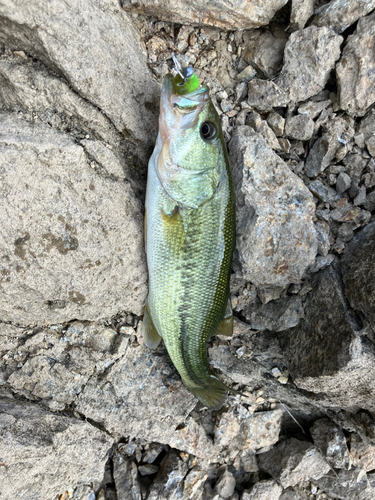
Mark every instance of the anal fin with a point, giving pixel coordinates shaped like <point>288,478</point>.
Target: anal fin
<point>225,326</point>
<point>151,336</point>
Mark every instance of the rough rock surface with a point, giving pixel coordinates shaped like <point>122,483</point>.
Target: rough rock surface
<point>359,273</point>
<point>302,10</point>
<point>104,35</point>
<point>340,14</point>
<point>223,14</point>
<point>67,247</point>
<point>356,85</point>
<point>276,239</point>
<point>42,454</point>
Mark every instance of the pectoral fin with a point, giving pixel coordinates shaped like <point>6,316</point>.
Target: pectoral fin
<point>151,336</point>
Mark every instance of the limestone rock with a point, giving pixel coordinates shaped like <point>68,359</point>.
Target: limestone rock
<point>265,95</point>
<point>302,10</point>
<point>347,485</point>
<point>325,354</point>
<point>355,82</point>
<point>125,475</point>
<point>293,461</point>
<point>82,44</point>
<point>299,127</point>
<point>359,273</point>
<point>362,453</point>
<point>263,490</point>
<point>331,442</point>
<point>220,13</point>
<point>309,57</point>
<point>276,122</point>
<point>276,239</point>
<point>44,454</point>
<point>169,481</point>
<point>340,14</point>
<point>246,431</point>
<point>264,50</point>
<point>68,245</point>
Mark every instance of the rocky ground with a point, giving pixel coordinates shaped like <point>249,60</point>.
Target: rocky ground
<point>86,410</point>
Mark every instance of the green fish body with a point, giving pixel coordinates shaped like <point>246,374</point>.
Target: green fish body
<point>190,236</point>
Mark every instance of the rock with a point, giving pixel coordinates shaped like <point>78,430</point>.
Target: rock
<point>370,202</point>
<point>360,199</point>
<point>340,14</point>
<point>222,14</point>
<point>343,182</point>
<point>266,187</point>
<point>299,127</point>
<point>302,10</point>
<point>264,50</point>
<point>321,262</point>
<point>246,431</point>
<point>354,166</point>
<point>169,481</point>
<point>277,315</point>
<point>334,141</point>
<point>125,475</point>
<point>347,485</point>
<point>194,482</point>
<point>82,44</point>
<point>44,454</point>
<point>152,453</point>
<point>362,453</point>
<point>359,273</point>
<point>356,86</point>
<point>309,57</point>
<point>331,442</point>
<point>323,192</point>
<point>225,486</point>
<point>312,109</point>
<point>246,74</point>
<point>276,122</point>
<point>65,275</point>
<point>264,95</point>
<point>322,231</point>
<point>293,461</point>
<point>268,134</point>
<point>338,366</point>
<point>148,469</point>
<point>263,490</point>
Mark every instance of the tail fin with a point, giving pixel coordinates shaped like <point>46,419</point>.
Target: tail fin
<point>213,394</point>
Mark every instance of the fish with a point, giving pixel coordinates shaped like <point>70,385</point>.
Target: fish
<point>190,234</point>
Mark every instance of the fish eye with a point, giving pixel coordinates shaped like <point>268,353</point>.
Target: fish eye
<point>208,131</point>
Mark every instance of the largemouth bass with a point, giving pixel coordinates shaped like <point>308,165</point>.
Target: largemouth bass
<point>190,234</point>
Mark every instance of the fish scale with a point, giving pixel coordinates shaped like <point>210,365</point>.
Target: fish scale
<point>190,238</point>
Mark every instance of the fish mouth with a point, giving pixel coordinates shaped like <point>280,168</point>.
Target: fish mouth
<point>182,109</point>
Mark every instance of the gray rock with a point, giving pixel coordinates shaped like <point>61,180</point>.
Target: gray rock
<point>340,14</point>
<point>309,57</point>
<point>343,182</point>
<point>276,122</point>
<point>321,262</point>
<point>264,50</point>
<point>64,274</point>
<point>360,199</point>
<point>225,486</point>
<point>323,232</point>
<point>293,461</point>
<point>359,273</point>
<point>334,144</point>
<point>169,481</point>
<point>222,14</point>
<point>331,442</point>
<point>152,453</point>
<point>193,484</point>
<point>370,202</point>
<point>323,192</point>
<point>263,490</point>
<point>147,469</point>
<point>354,166</point>
<point>299,127</point>
<point>356,86</point>
<point>82,44</point>
<point>277,315</point>
<point>125,475</point>
<point>246,74</point>
<point>245,431</point>
<point>268,135</point>
<point>312,109</point>
<point>265,95</point>
<point>276,239</point>
<point>325,354</point>
<point>44,454</point>
<point>302,10</point>
<point>362,453</point>
<point>347,485</point>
